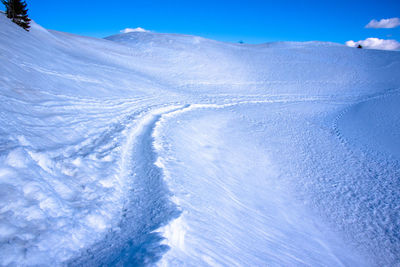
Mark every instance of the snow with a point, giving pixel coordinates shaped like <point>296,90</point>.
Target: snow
<point>374,125</point>
<point>166,149</point>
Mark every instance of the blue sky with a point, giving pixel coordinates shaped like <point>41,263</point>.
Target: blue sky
<point>253,21</point>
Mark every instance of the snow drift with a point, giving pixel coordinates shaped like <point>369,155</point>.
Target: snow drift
<point>166,149</point>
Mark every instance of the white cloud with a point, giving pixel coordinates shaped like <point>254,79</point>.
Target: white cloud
<point>375,43</point>
<point>138,29</point>
<point>384,23</point>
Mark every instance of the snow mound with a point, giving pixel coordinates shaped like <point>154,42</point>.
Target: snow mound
<point>194,64</point>
<point>374,125</point>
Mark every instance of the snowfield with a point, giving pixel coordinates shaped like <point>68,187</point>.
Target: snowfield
<point>175,150</point>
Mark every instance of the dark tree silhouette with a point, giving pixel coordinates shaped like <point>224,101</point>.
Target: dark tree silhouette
<point>16,11</point>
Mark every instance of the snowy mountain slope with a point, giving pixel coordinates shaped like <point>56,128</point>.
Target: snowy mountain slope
<point>373,125</point>
<point>158,148</point>
<point>312,68</point>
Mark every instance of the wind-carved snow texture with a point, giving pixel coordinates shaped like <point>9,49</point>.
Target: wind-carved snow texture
<point>163,149</point>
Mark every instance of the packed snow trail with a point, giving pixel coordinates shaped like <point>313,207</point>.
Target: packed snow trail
<point>147,207</point>
<point>136,242</point>
<point>148,149</point>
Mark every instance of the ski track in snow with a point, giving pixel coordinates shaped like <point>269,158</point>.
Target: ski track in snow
<point>135,240</point>
<point>139,239</point>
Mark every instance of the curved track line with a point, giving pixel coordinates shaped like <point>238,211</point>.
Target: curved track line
<point>149,206</point>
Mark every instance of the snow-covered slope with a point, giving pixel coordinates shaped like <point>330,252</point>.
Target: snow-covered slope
<point>177,150</point>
